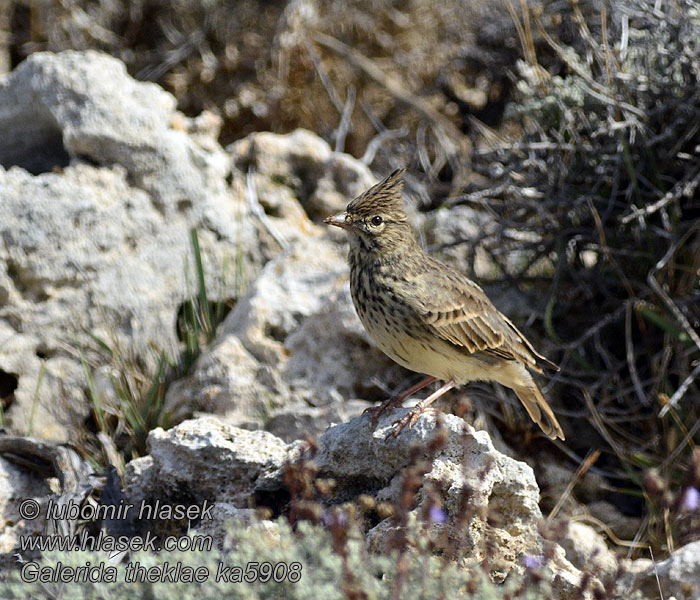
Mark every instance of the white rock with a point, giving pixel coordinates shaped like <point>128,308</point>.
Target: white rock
<point>294,421</point>
<point>323,181</point>
<point>56,107</point>
<point>224,382</point>
<point>290,288</point>
<point>468,458</point>
<point>494,524</point>
<point>678,576</point>
<point>16,485</point>
<point>586,549</point>
<point>292,342</point>
<point>207,459</point>
<point>103,248</point>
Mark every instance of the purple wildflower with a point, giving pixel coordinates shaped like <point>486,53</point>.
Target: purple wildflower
<point>691,499</point>
<point>334,518</point>
<point>532,562</point>
<point>437,515</point>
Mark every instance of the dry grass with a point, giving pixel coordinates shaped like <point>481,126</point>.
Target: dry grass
<point>605,174</point>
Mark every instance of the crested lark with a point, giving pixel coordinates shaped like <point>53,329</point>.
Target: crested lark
<point>428,317</point>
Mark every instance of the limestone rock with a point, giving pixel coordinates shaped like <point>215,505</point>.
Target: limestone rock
<point>585,548</point>
<point>489,500</point>
<point>294,421</point>
<point>676,577</point>
<point>100,185</point>
<point>58,107</point>
<point>499,494</point>
<point>292,342</point>
<point>205,459</point>
<point>300,166</point>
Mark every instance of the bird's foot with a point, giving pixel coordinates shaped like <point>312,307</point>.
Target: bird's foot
<point>396,401</point>
<point>409,419</point>
<point>376,412</point>
<point>412,415</point>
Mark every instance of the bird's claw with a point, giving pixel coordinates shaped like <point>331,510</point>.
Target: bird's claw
<point>396,401</point>
<point>409,419</point>
<point>376,412</point>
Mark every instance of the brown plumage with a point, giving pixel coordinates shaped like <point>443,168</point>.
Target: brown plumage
<point>428,317</point>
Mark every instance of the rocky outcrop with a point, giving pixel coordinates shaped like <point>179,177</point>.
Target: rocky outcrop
<point>676,577</point>
<point>488,502</point>
<point>300,172</point>
<point>293,344</point>
<point>205,459</point>
<point>101,181</point>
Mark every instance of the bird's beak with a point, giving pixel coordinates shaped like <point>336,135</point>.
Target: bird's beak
<point>338,220</point>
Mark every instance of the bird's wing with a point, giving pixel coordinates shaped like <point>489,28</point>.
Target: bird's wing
<point>460,312</point>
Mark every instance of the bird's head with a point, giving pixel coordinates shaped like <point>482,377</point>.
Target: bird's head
<point>376,219</point>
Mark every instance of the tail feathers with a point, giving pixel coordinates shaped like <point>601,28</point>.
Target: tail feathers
<point>547,363</point>
<point>538,409</point>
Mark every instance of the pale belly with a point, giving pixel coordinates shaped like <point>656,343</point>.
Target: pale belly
<point>425,353</point>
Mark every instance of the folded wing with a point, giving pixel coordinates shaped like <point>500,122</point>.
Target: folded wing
<point>460,312</point>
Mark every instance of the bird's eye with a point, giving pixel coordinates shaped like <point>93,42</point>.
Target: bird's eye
<point>376,221</point>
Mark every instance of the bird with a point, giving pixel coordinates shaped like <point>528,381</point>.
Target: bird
<point>429,317</point>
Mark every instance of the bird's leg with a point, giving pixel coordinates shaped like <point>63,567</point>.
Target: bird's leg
<point>411,416</point>
<point>395,401</point>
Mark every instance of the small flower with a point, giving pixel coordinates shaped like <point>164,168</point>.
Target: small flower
<point>532,562</point>
<point>437,515</point>
<point>691,499</point>
<point>334,518</point>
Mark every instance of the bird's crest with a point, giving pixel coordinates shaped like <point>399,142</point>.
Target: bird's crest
<point>384,197</point>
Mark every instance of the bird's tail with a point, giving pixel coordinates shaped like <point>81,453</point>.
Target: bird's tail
<point>538,409</point>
